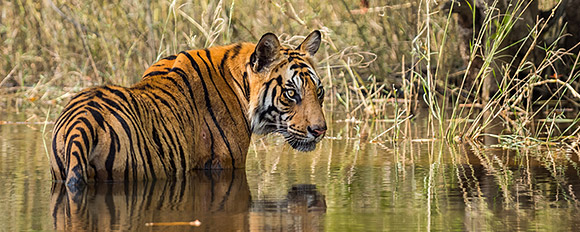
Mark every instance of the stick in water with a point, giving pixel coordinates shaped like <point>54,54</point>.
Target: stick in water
<point>193,223</point>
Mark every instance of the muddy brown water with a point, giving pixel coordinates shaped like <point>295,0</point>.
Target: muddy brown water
<point>345,185</point>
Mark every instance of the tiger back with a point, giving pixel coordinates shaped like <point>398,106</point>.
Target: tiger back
<point>193,110</point>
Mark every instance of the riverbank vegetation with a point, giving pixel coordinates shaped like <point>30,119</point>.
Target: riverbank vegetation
<point>474,70</point>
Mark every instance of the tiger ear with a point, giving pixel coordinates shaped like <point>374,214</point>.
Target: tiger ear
<point>266,52</point>
<point>311,43</point>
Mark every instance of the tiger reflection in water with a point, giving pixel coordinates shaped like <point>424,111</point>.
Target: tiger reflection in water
<point>219,199</point>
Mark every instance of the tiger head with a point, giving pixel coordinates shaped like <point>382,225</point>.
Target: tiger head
<point>287,95</point>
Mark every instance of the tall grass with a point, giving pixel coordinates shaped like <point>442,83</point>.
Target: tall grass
<point>512,103</point>
<point>382,62</point>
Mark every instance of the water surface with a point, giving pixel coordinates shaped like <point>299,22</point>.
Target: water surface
<point>345,185</point>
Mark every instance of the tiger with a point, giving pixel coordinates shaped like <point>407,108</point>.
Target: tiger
<point>193,110</point>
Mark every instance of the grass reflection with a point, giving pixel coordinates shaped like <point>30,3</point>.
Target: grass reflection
<point>412,183</point>
<point>426,184</point>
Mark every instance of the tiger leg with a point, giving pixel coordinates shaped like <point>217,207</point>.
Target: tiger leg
<point>72,145</point>
<point>76,151</point>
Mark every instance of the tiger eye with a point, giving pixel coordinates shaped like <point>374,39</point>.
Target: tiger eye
<point>290,93</point>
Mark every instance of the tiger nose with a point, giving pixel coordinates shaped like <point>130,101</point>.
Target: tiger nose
<point>317,130</point>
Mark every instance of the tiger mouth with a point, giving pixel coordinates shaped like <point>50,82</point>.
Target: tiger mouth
<point>301,144</point>
<point>300,141</point>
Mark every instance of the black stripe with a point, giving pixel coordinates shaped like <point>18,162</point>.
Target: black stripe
<point>126,170</point>
<point>176,85</point>
<point>236,50</point>
<point>172,57</point>
<point>76,169</point>
<point>158,143</point>
<point>222,68</point>
<point>227,195</point>
<point>155,73</point>
<point>85,144</point>
<point>231,90</point>
<point>185,80</point>
<point>162,100</point>
<point>135,119</point>
<point>144,152</point>
<point>110,161</point>
<point>66,116</point>
<point>97,116</point>
<point>58,160</point>
<point>117,93</point>
<point>211,78</point>
<point>240,88</point>
<point>60,190</point>
<point>178,200</point>
<point>115,110</point>
<point>177,103</point>
<point>174,141</point>
<point>67,110</point>
<point>68,151</point>
<point>209,107</point>
<point>246,85</point>
<point>268,87</point>
<point>70,129</point>
<point>161,152</point>
<point>130,113</point>
<point>89,126</point>
<point>294,66</point>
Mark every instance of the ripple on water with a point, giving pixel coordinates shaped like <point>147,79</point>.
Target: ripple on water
<point>343,185</point>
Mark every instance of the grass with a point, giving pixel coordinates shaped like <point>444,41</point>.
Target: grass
<point>385,62</point>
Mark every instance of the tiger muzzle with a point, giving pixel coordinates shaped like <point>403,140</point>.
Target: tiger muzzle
<point>317,130</point>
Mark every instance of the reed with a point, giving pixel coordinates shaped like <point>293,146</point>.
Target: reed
<point>384,62</point>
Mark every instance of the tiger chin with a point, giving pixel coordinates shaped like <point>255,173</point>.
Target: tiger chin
<point>193,110</point>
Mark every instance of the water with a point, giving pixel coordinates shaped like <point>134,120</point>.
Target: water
<point>345,185</point>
